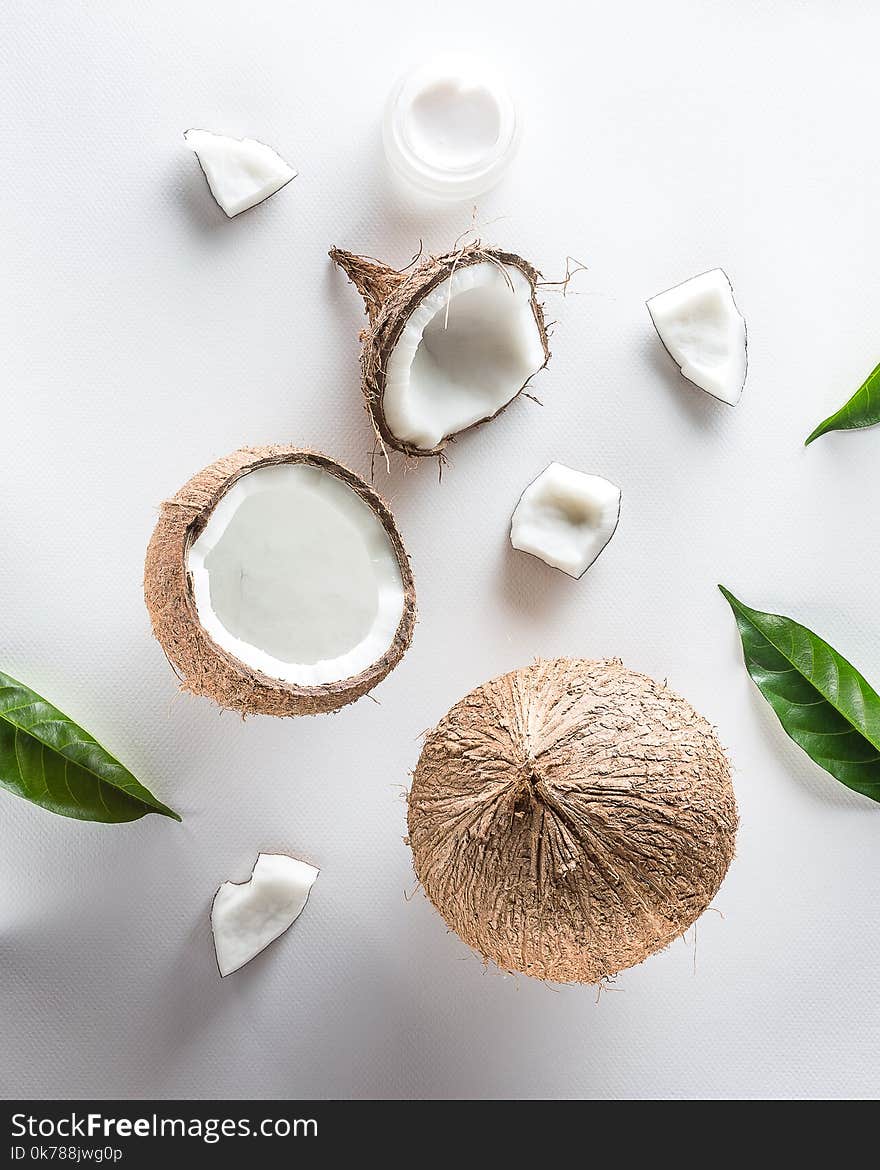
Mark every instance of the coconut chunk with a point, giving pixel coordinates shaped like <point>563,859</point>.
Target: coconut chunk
<point>464,353</point>
<point>704,333</point>
<point>241,172</point>
<point>566,517</point>
<point>278,584</point>
<point>246,917</point>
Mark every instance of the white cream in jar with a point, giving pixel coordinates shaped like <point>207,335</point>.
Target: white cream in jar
<point>451,127</point>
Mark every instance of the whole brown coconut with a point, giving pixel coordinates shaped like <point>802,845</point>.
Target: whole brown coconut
<point>203,666</point>
<point>392,297</point>
<point>571,818</point>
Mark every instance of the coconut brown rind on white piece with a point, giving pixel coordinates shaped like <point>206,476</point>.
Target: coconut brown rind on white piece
<point>204,667</point>
<point>571,818</point>
<point>390,297</point>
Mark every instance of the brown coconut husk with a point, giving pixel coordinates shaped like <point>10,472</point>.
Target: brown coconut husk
<point>390,297</point>
<point>204,668</point>
<point>571,818</point>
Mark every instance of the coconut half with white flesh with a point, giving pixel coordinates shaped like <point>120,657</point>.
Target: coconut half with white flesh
<point>449,345</point>
<point>247,916</point>
<point>566,518</point>
<point>241,172</point>
<point>704,333</point>
<point>278,584</point>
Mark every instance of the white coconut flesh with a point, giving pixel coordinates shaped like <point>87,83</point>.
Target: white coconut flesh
<point>295,576</point>
<point>705,333</point>
<point>241,172</point>
<point>468,348</point>
<point>246,917</point>
<point>566,518</point>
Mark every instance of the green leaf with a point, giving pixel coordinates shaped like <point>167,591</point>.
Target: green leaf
<point>821,700</point>
<point>48,760</point>
<point>862,410</point>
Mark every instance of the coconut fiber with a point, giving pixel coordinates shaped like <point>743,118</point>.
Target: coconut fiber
<point>571,818</point>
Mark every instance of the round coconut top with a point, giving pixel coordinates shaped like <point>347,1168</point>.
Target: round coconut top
<point>204,667</point>
<point>571,818</point>
<point>391,296</point>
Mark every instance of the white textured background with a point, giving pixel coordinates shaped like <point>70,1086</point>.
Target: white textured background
<point>142,335</point>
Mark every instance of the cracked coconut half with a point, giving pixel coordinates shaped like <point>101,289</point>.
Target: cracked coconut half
<point>449,344</point>
<point>277,584</point>
<point>571,818</point>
